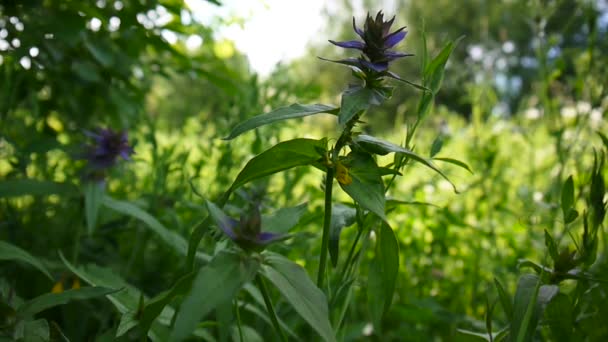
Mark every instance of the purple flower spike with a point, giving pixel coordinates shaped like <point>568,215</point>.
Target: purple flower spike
<point>375,47</point>
<point>351,44</point>
<point>107,147</point>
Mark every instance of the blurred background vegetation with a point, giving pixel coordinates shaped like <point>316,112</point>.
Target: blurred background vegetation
<point>524,94</point>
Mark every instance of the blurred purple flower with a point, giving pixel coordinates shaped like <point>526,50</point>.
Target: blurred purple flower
<point>376,45</point>
<point>247,231</point>
<point>108,145</point>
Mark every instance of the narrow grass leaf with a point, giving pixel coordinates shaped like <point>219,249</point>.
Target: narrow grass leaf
<point>93,197</point>
<point>171,238</point>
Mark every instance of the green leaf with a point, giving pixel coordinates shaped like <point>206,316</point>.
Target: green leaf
<point>291,112</point>
<point>559,316</point>
<point>472,336</point>
<point>366,187</point>
<point>341,216</point>
<point>195,238</point>
<point>434,71</point>
<point>101,52</point>
<point>382,147</point>
<point>93,196</point>
<point>436,146</point>
<point>283,219</point>
<point>505,298</point>
<point>49,300</point>
<point>22,187</point>
<point>295,286</point>
<point>567,197</point>
<point>127,322</point>
<point>604,139</point>
<point>36,331</point>
<point>216,283</point>
<point>126,300</point>
<point>383,274</point>
<point>171,238</point>
<point>433,77</point>
<point>283,156</point>
<point>155,306</point>
<point>355,100</point>
<point>11,252</point>
<point>456,162</point>
<point>551,246</point>
<point>530,300</point>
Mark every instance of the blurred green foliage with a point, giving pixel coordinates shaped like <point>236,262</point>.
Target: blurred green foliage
<point>521,103</point>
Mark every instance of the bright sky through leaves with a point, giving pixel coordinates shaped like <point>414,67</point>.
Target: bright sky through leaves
<point>272,30</point>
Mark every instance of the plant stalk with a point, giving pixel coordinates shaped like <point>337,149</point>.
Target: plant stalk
<point>329,181</point>
<point>269,307</point>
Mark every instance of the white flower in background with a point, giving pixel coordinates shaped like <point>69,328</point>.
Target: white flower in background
<point>595,117</point>
<point>538,196</point>
<point>583,107</point>
<point>568,112</point>
<point>533,114</point>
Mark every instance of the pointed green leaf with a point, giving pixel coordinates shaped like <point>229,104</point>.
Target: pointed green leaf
<point>357,99</point>
<point>382,147</point>
<point>559,316</point>
<point>295,286</point>
<point>455,162</point>
<point>49,300</point>
<point>530,301</point>
<point>283,156</point>
<point>341,216</point>
<point>366,187</point>
<point>294,111</point>
<point>551,246</point>
<point>436,146</point>
<point>434,71</point>
<point>216,283</point>
<point>523,322</point>
<point>11,252</point>
<point>171,238</point>
<point>282,220</point>
<point>36,331</point>
<point>155,306</point>
<point>567,196</point>
<point>433,77</point>
<point>126,300</point>
<point>383,273</point>
<point>505,298</point>
<point>604,139</point>
<point>93,196</point>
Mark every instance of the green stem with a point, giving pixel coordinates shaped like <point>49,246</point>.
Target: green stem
<point>271,313</point>
<point>350,254</point>
<point>238,320</point>
<point>329,181</point>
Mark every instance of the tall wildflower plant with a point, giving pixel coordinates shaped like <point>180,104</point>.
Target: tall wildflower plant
<point>348,159</point>
<point>212,283</point>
